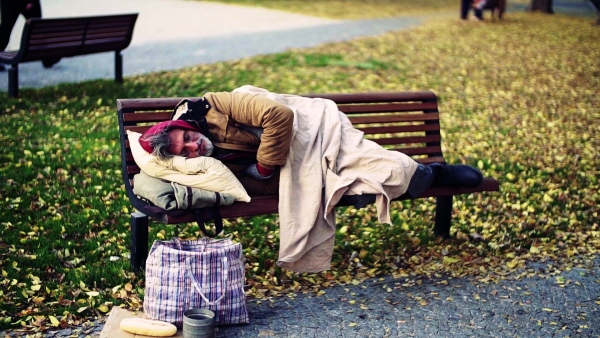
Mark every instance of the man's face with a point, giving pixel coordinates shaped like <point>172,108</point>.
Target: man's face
<point>189,143</point>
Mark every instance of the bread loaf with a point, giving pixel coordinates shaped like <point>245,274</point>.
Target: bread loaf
<point>148,327</point>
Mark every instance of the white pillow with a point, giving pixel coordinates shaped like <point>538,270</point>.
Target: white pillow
<point>201,172</point>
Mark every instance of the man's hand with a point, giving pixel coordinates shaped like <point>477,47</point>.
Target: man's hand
<point>258,173</point>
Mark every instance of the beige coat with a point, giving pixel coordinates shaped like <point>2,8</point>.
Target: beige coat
<point>328,158</point>
<point>251,110</point>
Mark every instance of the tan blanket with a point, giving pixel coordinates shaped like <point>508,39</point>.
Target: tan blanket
<point>328,158</point>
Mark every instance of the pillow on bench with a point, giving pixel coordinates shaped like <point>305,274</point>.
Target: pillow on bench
<point>201,172</point>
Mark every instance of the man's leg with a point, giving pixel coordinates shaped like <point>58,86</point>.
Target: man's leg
<point>10,11</point>
<point>9,14</point>
<point>443,175</point>
<point>421,180</point>
<point>465,5</point>
<point>426,176</point>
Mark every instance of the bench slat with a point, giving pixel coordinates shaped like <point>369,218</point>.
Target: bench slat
<point>147,116</point>
<point>56,25</point>
<point>133,169</point>
<point>430,159</point>
<point>49,41</point>
<point>407,140</point>
<point>388,118</point>
<point>51,34</point>
<point>429,150</point>
<point>374,97</point>
<point>405,128</point>
<point>137,129</point>
<point>149,104</point>
<point>392,107</point>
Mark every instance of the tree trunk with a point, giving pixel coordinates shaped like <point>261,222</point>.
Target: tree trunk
<point>544,6</point>
<point>596,4</point>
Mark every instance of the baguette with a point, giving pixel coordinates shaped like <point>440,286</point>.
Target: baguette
<point>148,327</point>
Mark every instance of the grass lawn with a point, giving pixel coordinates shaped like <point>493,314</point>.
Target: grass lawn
<point>518,98</point>
<point>353,9</point>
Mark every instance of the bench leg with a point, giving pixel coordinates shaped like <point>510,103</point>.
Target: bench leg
<point>443,216</point>
<point>139,241</point>
<point>118,67</point>
<point>13,81</point>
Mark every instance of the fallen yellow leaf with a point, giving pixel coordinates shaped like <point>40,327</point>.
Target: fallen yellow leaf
<point>449,260</point>
<point>53,321</point>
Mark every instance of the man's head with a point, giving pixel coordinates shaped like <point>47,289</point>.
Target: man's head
<point>176,138</point>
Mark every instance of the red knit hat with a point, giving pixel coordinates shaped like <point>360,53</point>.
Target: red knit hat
<point>158,128</point>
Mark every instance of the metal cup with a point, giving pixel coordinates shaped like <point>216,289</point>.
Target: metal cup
<point>198,323</point>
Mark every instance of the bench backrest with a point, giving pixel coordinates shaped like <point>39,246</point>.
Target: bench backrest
<point>46,38</point>
<point>402,121</point>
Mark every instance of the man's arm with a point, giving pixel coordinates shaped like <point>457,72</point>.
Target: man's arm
<point>274,118</point>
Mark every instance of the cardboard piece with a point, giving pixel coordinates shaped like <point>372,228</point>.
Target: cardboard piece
<point>112,328</point>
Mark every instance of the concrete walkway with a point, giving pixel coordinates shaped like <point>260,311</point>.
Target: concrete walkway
<point>566,305</point>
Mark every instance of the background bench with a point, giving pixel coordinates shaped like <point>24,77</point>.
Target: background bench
<point>403,121</point>
<point>45,39</point>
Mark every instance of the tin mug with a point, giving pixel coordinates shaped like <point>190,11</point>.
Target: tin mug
<point>198,323</point>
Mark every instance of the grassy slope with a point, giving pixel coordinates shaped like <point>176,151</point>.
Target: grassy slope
<point>353,9</point>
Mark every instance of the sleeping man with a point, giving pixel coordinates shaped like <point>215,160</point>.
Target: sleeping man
<point>304,150</point>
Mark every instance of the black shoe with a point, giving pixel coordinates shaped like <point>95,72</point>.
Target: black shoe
<point>2,68</point>
<point>50,62</point>
<point>455,175</point>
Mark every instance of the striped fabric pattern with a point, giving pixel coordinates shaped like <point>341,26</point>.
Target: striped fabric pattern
<point>205,273</point>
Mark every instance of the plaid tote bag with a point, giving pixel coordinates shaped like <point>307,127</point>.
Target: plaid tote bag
<point>205,273</point>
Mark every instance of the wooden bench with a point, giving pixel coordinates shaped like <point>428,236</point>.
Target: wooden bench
<point>56,38</point>
<point>404,121</point>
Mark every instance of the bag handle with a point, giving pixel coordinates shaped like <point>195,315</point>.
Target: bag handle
<point>208,213</point>
<point>196,285</point>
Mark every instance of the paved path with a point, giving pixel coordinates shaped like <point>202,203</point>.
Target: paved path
<point>567,306</point>
<point>564,305</point>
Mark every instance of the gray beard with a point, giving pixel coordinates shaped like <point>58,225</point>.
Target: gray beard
<point>208,147</point>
